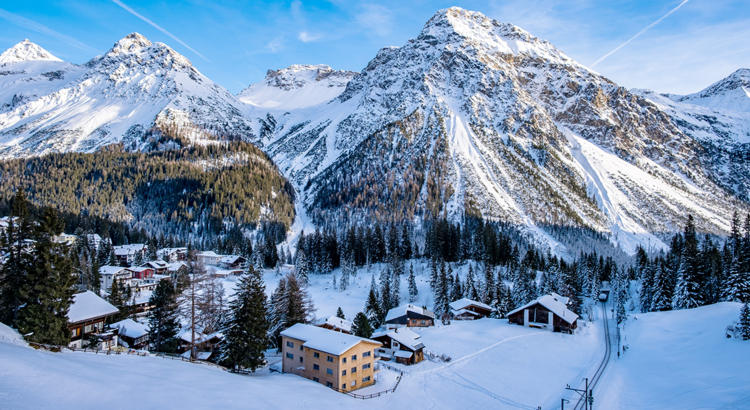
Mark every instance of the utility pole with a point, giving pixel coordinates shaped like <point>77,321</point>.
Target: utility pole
<point>583,393</point>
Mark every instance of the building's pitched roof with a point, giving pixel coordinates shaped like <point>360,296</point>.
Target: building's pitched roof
<point>401,310</point>
<point>553,305</point>
<point>157,264</point>
<point>404,336</point>
<point>335,322</point>
<point>230,259</point>
<point>211,254</point>
<point>561,299</point>
<point>123,250</point>
<point>328,341</point>
<point>130,328</point>
<point>111,270</point>
<point>174,267</point>
<point>465,302</point>
<point>88,305</point>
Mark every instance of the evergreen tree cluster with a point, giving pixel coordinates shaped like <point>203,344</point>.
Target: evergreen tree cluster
<point>696,271</point>
<point>37,278</point>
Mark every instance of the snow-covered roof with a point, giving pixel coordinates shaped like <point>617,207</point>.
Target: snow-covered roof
<point>462,311</point>
<point>129,249</point>
<point>464,303</point>
<point>328,341</point>
<point>198,355</point>
<point>111,270</point>
<point>404,336</point>
<point>174,267</point>
<point>156,264</point>
<point>401,310</point>
<point>209,254</point>
<point>88,305</point>
<point>403,354</point>
<point>229,259</point>
<point>335,322</point>
<point>561,299</point>
<point>130,328</point>
<point>141,268</point>
<point>553,305</point>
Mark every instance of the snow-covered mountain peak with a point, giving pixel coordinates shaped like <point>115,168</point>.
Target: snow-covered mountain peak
<point>26,51</point>
<point>132,43</point>
<point>297,86</point>
<point>731,93</point>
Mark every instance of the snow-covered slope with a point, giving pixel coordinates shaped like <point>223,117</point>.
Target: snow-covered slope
<point>679,360</point>
<point>479,116</point>
<point>297,86</point>
<point>113,98</point>
<point>718,117</point>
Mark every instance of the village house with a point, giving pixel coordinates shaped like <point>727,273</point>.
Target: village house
<point>176,269</point>
<point>232,262</point>
<point>400,345</point>
<point>94,241</point>
<point>547,312</point>
<point>335,323</point>
<point>159,267</point>
<point>142,272</point>
<point>111,273</point>
<point>126,254</point>
<point>86,316</point>
<point>171,255</point>
<point>334,359</point>
<point>209,258</point>
<point>410,316</point>
<point>132,334</point>
<point>467,309</point>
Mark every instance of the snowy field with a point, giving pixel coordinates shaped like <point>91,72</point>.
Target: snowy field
<point>676,360</point>
<point>679,360</point>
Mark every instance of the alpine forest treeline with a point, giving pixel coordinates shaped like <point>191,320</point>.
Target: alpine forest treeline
<point>197,194</point>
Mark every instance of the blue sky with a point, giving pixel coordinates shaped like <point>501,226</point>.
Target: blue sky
<point>235,42</point>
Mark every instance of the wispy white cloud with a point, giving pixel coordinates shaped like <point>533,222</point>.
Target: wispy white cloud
<point>276,44</point>
<point>375,18</point>
<point>639,33</point>
<point>308,37</point>
<point>41,28</point>
<point>156,26</point>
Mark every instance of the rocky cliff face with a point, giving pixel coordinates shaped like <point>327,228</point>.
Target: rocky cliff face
<point>478,116</point>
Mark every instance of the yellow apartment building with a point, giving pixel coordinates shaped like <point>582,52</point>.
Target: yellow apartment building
<point>334,359</point>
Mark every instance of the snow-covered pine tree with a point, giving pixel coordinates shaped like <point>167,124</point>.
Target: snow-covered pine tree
<point>386,294</point>
<point>300,306</point>
<point>456,291</point>
<point>413,291</point>
<point>442,298</point>
<point>744,323</point>
<point>661,298</point>
<point>278,308</point>
<point>647,272</point>
<point>396,287</point>
<point>340,313</point>
<point>372,305</point>
<point>302,268</point>
<point>246,330</point>
<point>502,304</point>
<point>406,252</point>
<point>14,271</point>
<point>163,322</point>
<point>488,288</point>
<point>433,274</point>
<point>687,293</point>
<point>470,288</point>
<point>361,326</point>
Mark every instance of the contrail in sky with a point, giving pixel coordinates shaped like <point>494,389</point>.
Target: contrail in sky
<point>639,33</point>
<point>41,28</point>
<point>135,13</point>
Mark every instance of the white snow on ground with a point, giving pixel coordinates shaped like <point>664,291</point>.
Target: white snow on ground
<point>679,360</point>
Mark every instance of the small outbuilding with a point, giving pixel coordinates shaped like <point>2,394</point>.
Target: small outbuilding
<point>467,309</point>
<point>133,334</point>
<point>547,312</point>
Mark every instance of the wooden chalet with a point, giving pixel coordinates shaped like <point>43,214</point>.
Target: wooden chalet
<point>410,316</point>
<point>467,309</point>
<point>548,312</point>
<point>159,267</point>
<point>400,345</point>
<point>232,262</point>
<point>87,315</point>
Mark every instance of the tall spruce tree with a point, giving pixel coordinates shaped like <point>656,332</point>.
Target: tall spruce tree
<point>49,290</point>
<point>687,290</point>
<point>340,313</point>
<point>246,330</point>
<point>361,326</point>
<point>14,272</point>
<point>442,297</point>
<point>744,323</point>
<point>413,291</point>
<point>372,305</point>
<point>163,318</point>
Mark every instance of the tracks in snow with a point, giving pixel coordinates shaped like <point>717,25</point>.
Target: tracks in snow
<point>605,361</point>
